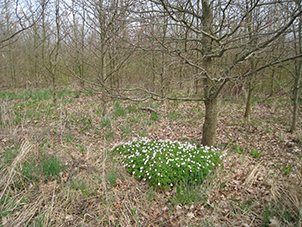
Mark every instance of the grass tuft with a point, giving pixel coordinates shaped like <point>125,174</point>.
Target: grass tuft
<point>119,111</point>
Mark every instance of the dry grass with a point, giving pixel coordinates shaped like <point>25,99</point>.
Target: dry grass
<point>82,195</point>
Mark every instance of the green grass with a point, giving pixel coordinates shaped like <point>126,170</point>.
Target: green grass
<point>119,111</point>
<point>150,194</point>
<point>83,186</point>
<point>10,154</point>
<point>111,176</point>
<point>86,124</point>
<point>286,170</point>
<point>106,122</point>
<point>51,167</point>
<point>280,211</point>
<point>154,116</point>
<point>143,132</point>
<point>7,205</point>
<point>188,194</point>
<point>255,123</point>
<point>257,154</point>
<point>166,163</point>
<point>127,130</point>
<point>174,115</point>
<point>30,171</point>
<point>238,149</point>
<point>132,109</point>
<point>36,95</point>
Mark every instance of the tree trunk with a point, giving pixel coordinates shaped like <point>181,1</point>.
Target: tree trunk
<point>210,123</point>
<point>247,114</point>
<point>296,99</point>
<point>210,98</point>
<point>298,48</point>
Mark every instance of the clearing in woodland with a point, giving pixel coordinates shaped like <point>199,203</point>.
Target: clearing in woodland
<point>58,166</point>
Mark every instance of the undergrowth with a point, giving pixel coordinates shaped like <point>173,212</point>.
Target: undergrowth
<point>165,163</point>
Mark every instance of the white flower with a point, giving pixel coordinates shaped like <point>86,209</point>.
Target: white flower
<point>158,184</point>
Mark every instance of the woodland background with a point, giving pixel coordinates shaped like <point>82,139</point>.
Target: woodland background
<point>77,77</point>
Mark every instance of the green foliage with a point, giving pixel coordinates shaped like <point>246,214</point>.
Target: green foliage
<point>69,138</point>
<point>10,154</point>
<point>126,130</point>
<point>38,94</point>
<point>188,194</point>
<point>238,149</point>
<point>174,115</point>
<point>132,109</point>
<point>143,132</point>
<point>31,171</point>
<point>41,167</point>
<point>154,116</point>
<point>151,194</point>
<point>106,122</point>
<point>280,211</point>
<point>18,117</point>
<point>255,123</point>
<point>39,221</point>
<point>119,111</point>
<point>82,186</point>
<point>51,167</point>
<point>239,107</point>
<point>286,170</point>
<point>268,130</point>
<point>99,111</point>
<point>87,122</point>
<point>7,205</point>
<point>165,163</point>
<point>257,154</point>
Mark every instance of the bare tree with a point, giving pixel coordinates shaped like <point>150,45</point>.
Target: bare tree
<point>105,46</point>
<point>224,31</point>
<point>18,19</point>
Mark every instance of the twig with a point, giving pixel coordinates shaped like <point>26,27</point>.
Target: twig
<point>149,109</point>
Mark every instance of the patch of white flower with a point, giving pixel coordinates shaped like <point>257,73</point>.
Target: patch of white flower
<point>174,156</point>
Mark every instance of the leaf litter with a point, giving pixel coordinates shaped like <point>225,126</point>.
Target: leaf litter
<point>236,195</point>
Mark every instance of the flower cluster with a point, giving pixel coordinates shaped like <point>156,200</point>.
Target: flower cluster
<point>165,163</point>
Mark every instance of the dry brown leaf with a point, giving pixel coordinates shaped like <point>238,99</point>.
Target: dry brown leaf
<point>156,212</point>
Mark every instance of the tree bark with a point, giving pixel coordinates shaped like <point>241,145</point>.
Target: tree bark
<point>296,99</point>
<point>210,123</point>
<point>210,100</point>
<point>298,67</point>
<point>247,114</point>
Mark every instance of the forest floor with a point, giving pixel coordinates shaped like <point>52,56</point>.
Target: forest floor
<point>57,168</point>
